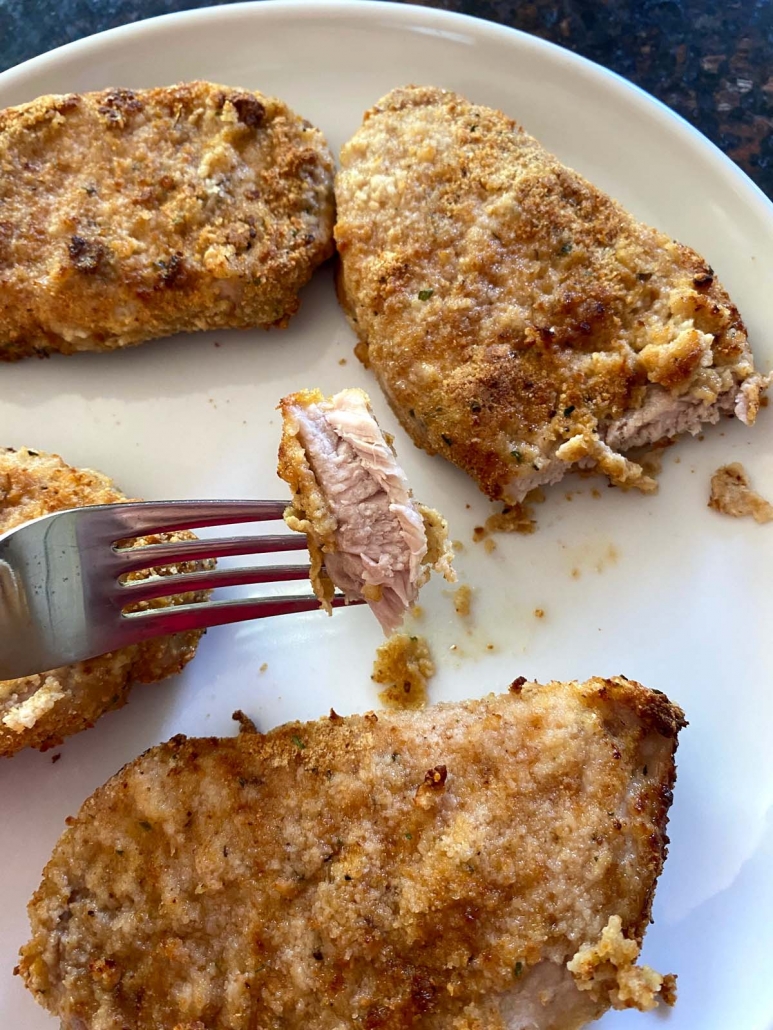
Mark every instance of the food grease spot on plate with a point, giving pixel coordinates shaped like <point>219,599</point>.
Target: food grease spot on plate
<point>593,555</point>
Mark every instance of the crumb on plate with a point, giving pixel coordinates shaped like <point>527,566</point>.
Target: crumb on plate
<point>463,599</point>
<point>731,494</point>
<point>403,665</point>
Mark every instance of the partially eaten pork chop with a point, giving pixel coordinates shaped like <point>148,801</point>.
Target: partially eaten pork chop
<point>519,320</point>
<point>367,535</point>
<point>482,865</point>
<point>40,711</point>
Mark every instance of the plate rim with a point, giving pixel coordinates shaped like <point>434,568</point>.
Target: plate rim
<point>415,15</point>
<point>661,117</point>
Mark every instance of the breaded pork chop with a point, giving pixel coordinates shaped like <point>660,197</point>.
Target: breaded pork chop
<point>367,535</point>
<point>127,215</point>
<point>519,320</point>
<point>40,711</point>
<point>474,866</point>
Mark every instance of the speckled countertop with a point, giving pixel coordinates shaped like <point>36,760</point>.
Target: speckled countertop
<point>710,60</point>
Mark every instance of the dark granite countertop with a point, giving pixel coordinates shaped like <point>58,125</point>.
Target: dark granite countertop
<point>710,60</point>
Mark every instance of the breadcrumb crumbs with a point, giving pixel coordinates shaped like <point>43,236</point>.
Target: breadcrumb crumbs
<point>463,599</point>
<point>652,463</point>
<point>403,665</point>
<point>607,970</point>
<point>732,495</point>
<point>513,518</point>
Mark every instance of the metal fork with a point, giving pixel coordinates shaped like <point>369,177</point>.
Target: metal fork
<point>63,592</point>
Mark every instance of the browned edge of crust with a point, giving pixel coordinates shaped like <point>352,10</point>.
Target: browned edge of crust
<point>659,715</point>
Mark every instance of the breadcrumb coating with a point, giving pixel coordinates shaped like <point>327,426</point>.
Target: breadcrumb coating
<point>40,711</point>
<point>132,214</point>
<point>519,320</point>
<point>434,869</point>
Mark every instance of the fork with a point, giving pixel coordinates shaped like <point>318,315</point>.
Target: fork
<point>63,589</point>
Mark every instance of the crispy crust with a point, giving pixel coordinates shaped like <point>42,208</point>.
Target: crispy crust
<point>381,871</point>
<point>512,312</point>
<point>127,215</point>
<point>309,511</point>
<point>40,711</point>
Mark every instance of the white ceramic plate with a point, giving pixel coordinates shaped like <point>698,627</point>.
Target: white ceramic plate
<point>664,590</point>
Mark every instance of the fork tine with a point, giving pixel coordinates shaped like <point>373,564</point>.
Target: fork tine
<point>131,559</point>
<point>166,586</point>
<point>163,621</point>
<point>141,518</point>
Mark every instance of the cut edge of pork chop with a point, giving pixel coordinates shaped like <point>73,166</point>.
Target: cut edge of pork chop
<point>536,979</point>
<point>661,417</point>
<point>367,535</point>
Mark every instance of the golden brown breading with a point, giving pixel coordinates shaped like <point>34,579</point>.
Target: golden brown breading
<point>40,711</point>
<point>433,869</point>
<point>127,215</point>
<point>518,319</point>
<point>310,511</point>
